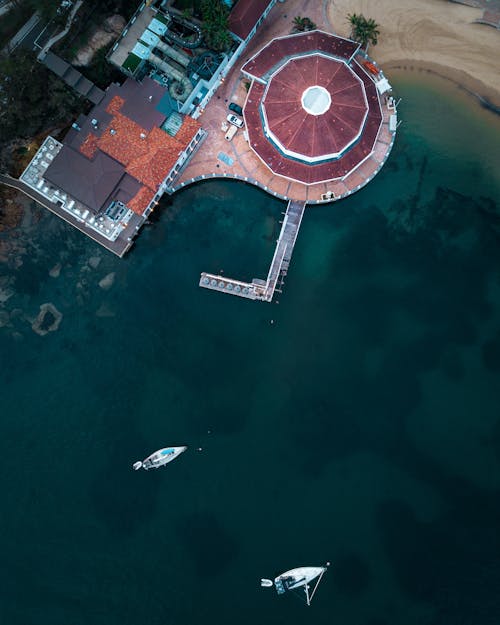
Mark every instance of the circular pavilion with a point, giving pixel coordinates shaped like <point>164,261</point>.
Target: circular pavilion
<point>314,108</point>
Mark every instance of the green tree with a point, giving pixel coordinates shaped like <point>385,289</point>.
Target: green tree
<point>100,71</point>
<point>46,8</point>
<point>363,30</point>
<point>31,97</point>
<point>215,26</point>
<point>302,24</point>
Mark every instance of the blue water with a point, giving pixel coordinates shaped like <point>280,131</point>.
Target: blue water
<point>362,426</point>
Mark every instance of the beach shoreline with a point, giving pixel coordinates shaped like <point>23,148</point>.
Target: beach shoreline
<point>437,36</point>
<point>483,94</point>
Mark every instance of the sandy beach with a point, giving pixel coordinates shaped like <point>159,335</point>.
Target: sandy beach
<point>434,34</point>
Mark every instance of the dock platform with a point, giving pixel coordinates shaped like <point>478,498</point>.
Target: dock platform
<point>258,289</point>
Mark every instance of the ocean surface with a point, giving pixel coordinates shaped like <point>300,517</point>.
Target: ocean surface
<point>356,422</point>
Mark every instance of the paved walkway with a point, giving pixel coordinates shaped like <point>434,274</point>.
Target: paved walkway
<point>63,33</point>
<point>29,28</point>
<point>246,164</point>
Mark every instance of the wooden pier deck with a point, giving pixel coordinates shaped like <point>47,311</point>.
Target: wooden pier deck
<point>258,289</point>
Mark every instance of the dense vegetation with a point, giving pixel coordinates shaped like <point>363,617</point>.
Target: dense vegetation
<point>51,9</point>
<point>303,24</point>
<point>363,30</point>
<point>215,26</point>
<point>191,7</point>
<point>32,98</point>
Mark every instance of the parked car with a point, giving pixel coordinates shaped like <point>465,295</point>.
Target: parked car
<point>236,108</point>
<point>232,130</point>
<point>232,119</point>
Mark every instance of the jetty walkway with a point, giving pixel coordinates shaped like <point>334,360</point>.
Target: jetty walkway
<point>258,289</point>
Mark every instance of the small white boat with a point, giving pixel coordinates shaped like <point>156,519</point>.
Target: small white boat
<point>159,458</point>
<point>298,579</point>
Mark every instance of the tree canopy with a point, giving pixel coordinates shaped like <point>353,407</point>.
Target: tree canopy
<point>31,97</point>
<point>215,26</point>
<point>363,30</point>
<point>302,24</point>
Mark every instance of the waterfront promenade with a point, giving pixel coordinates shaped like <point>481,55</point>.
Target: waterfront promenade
<point>235,159</point>
<point>223,156</point>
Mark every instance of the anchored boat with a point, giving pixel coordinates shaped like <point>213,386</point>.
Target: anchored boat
<point>159,458</point>
<point>298,580</point>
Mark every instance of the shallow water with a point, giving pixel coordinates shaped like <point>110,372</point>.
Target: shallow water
<point>361,427</point>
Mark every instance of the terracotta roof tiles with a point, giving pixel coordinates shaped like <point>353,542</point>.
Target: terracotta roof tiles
<point>115,105</point>
<point>147,156</point>
<point>324,146</point>
<point>89,147</point>
<point>125,156</point>
<point>123,139</point>
<point>187,131</point>
<point>141,200</point>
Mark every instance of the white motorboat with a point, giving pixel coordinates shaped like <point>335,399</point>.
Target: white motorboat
<point>298,580</point>
<point>159,458</point>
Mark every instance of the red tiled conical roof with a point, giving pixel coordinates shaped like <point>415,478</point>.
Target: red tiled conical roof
<point>312,113</point>
<point>314,136</point>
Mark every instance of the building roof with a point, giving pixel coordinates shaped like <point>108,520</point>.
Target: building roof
<point>147,156</point>
<point>56,64</point>
<point>316,41</point>
<point>314,136</point>
<point>311,115</point>
<point>245,16</point>
<point>120,153</point>
<point>91,182</point>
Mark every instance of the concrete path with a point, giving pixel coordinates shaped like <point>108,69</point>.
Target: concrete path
<point>21,35</point>
<point>63,33</point>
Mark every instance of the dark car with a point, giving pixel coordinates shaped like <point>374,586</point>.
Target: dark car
<point>236,108</point>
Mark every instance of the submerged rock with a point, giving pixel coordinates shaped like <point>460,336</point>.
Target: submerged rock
<point>94,261</point>
<point>107,282</point>
<point>104,311</point>
<point>55,272</point>
<point>4,318</point>
<point>48,319</point>
<point>5,294</point>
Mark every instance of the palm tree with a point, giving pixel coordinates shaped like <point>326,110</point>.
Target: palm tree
<point>301,24</point>
<point>363,30</point>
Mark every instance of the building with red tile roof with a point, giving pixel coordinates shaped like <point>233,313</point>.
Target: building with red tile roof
<point>245,16</point>
<point>121,151</point>
<point>313,112</point>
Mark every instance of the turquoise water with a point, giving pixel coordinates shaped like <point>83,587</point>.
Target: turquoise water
<point>361,426</point>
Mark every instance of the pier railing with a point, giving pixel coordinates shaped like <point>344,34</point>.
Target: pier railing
<point>264,289</point>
